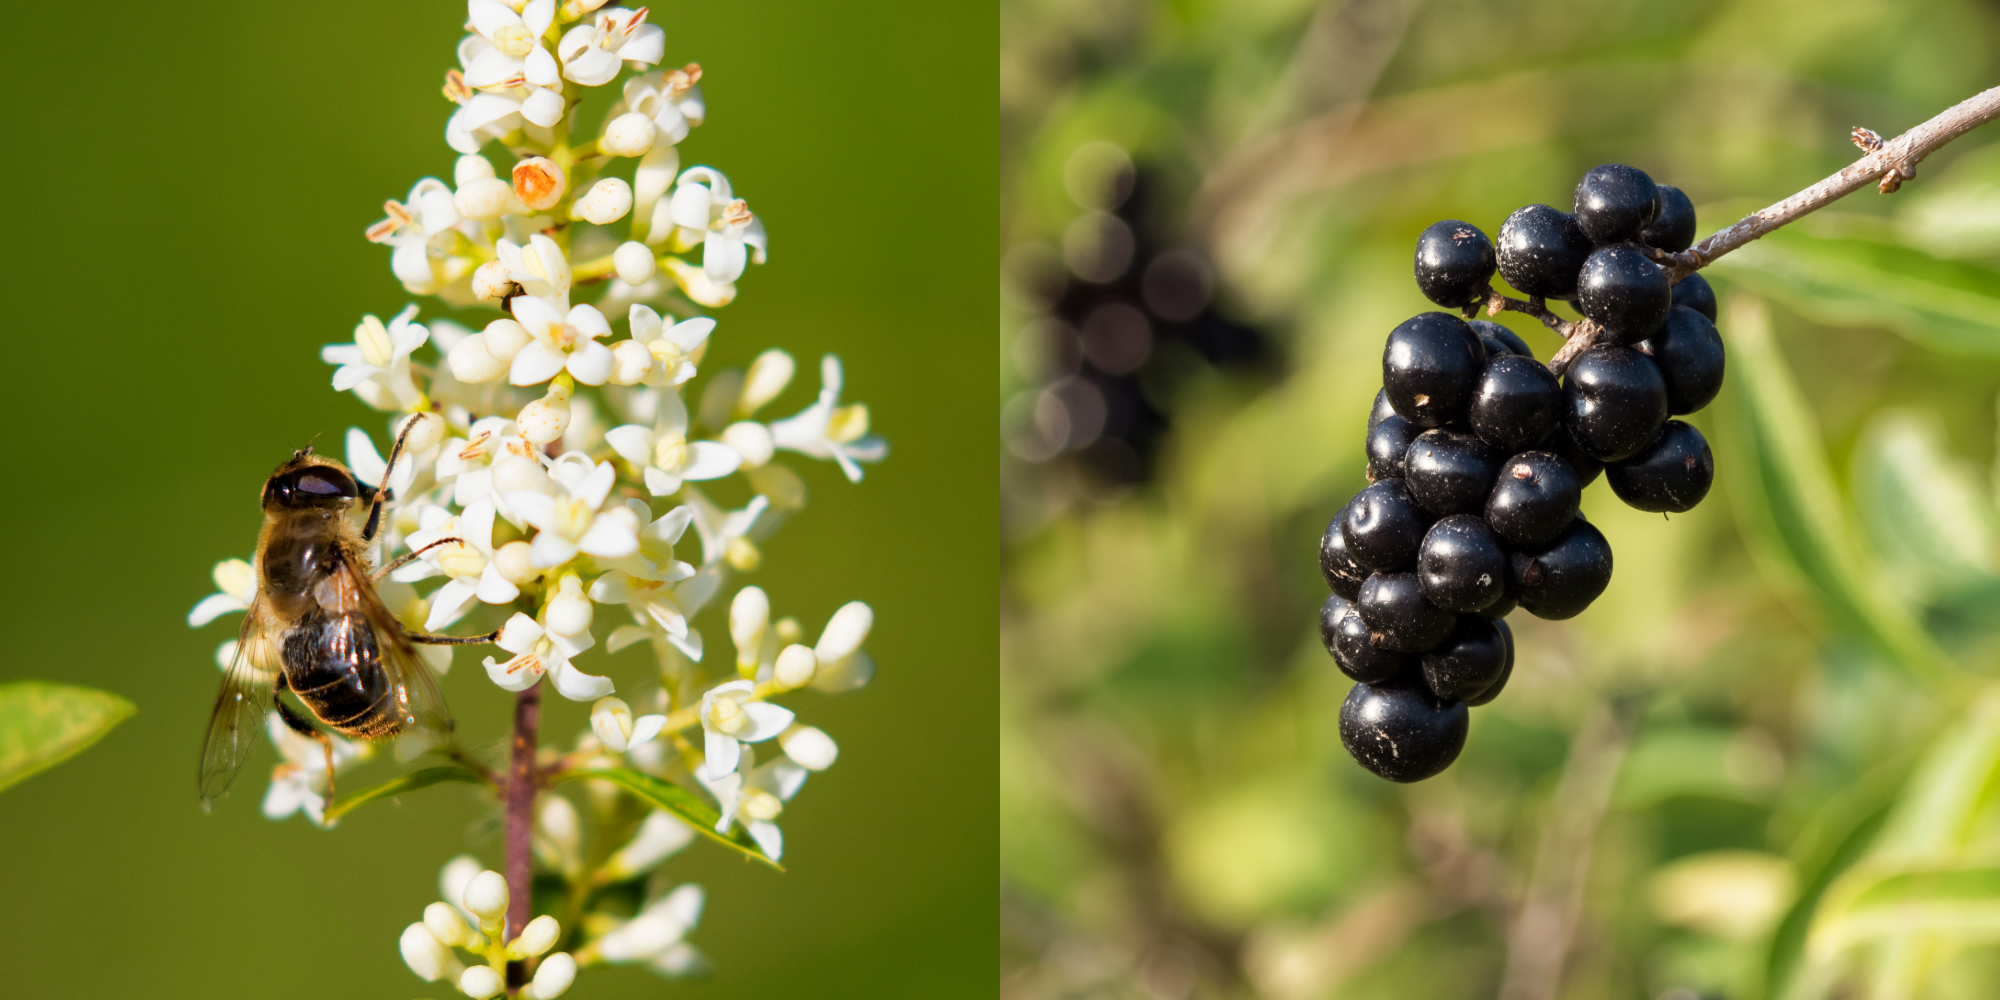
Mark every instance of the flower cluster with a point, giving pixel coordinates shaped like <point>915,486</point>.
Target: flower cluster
<point>550,476</point>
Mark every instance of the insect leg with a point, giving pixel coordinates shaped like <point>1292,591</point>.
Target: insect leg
<point>404,560</point>
<point>299,725</point>
<point>452,640</point>
<point>384,493</point>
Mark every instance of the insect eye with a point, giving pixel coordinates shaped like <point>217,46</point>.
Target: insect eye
<point>324,483</point>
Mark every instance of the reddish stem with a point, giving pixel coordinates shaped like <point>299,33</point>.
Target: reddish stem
<point>520,799</point>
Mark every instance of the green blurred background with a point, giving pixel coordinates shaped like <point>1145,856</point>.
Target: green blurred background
<point>191,185</point>
<point>1764,764</point>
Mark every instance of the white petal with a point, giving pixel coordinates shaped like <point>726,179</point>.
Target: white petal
<point>787,778</point>
<point>544,107</point>
<point>538,509</point>
<point>550,549</point>
<point>644,321</point>
<point>632,442</point>
<point>519,634</point>
<point>487,109</point>
<point>591,363</point>
<point>519,680</point>
<point>723,257</point>
<point>673,524</point>
<point>348,376</point>
<point>579,686</point>
<point>766,720</point>
<point>611,588</point>
<point>489,16</point>
<point>722,752</point>
<point>691,333</point>
<point>446,604</point>
<point>710,460</point>
<point>609,539</point>
<point>554,265</point>
<point>588,321</point>
<point>689,206</point>
<point>597,485</point>
<point>537,363</point>
<point>689,644</point>
<point>646,45</point>
<point>645,728</point>
<point>537,16</point>
<point>363,460</point>
<point>343,354</point>
<point>212,607</point>
<point>768,839</point>
<point>593,67</point>
<point>659,483</point>
<point>494,588</point>
<point>491,68</point>
<point>534,312</point>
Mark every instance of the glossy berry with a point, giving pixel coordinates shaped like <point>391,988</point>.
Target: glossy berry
<point>1563,446</point>
<point>1670,476</point>
<point>1450,472</point>
<point>1503,607</point>
<point>1694,292</point>
<point>1689,354</point>
<point>1614,401</point>
<point>1343,574</point>
<point>1400,731</point>
<point>1429,366</point>
<point>1380,409</point>
<point>1388,442</point>
<point>1533,500</point>
<point>1353,646</point>
<point>1469,661</point>
<point>1614,203</point>
<point>1454,263</point>
<point>1384,526</point>
<point>1624,293</point>
<point>1491,331</point>
<point>1461,566</point>
<point>1540,251</point>
<point>1403,619</point>
<point>1506,671</point>
<point>1561,580</point>
<point>1673,225</point>
<point>1518,402</point>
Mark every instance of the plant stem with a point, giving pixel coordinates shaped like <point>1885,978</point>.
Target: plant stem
<point>520,800</point>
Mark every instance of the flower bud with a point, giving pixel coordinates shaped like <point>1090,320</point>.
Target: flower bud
<point>611,720</point>
<point>845,632</point>
<point>504,339</point>
<point>795,666</point>
<point>486,198</point>
<point>457,874</point>
<point>569,611</point>
<point>631,362</point>
<point>660,837</point>
<point>539,936</point>
<point>539,182</point>
<point>768,376</point>
<point>426,956</point>
<point>486,898</point>
<point>470,167</point>
<point>809,747</point>
<point>543,420</point>
<point>470,362</point>
<point>447,926</point>
<point>629,134</point>
<point>490,282</point>
<point>516,562</point>
<point>605,202</point>
<point>634,262</point>
<point>748,614</point>
<point>751,439</point>
<point>552,979</point>
<point>558,833</point>
<point>480,982</point>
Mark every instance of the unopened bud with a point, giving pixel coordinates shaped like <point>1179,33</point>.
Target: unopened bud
<point>539,182</point>
<point>544,420</point>
<point>631,362</point>
<point>490,282</point>
<point>470,362</point>
<point>795,666</point>
<point>629,134</point>
<point>457,874</point>
<point>809,747</point>
<point>504,339</point>
<point>569,611</point>
<point>768,376</point>
<point>845,632</point>
<point>446,925</point>
<point>605,202</point>
<point>470,167</point>
<point>426,431</point>
<point>660,836</point>
<point>426,956</point>
<point>516,562</point>
<point>558,833</point>
<point>751,439</point>
<point>749,612</point>
<point>552,979</point>
<point>485,198</point>
<point>742,554</point>
<point>634,262</point>
<point>480,982</point>
<point>611,720</point>
<point>486,898</point>
<point>539,936</point>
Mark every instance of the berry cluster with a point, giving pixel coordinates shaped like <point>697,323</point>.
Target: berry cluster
<point>1478,455</point>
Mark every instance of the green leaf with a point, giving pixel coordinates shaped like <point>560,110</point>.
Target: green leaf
<point>1961,903</point>
<point>407,783</point>
<point>677,800</point>
<point>1788,943</point>
<point>1850,280</point>
<point>1777,476</point>
<point>43,724</point>
<point>1926,511</point>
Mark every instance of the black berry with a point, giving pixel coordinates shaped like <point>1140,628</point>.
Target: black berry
<point>1693,292</point>
<point>1517,404</point>
<point>1624,293</point>
<point>1503,607</point>
<point>1394,606</point>
<point>1454,263</point>
<point>1533,500</point>
<point>1469,661</point>
<point>1343,574</point>
<point>1540,251</point>
<point>1380,409</point>
<point>1450,472</point>
<point>1614,401</point>
<point>1461,566</point>
<point>1689,354</point>
<point>1384,526</point>
<point>1353,646</point>
<point>1614,203</point>
<point>1507,636</point>
<point>1670,476</point>
<point>1388,442</point>
<point>1673,225</point>
<point>1563,446</point>
<point>1562,579</point>
<point>1400,731</point>
<point>1491,331</point>
<point>1429,366</point>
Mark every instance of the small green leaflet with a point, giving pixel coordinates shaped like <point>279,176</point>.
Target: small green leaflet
<point>407,783</point>
<point>43,724</point>
<point>674,799</point>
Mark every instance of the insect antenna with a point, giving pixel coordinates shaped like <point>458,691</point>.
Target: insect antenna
<point>384,493</point>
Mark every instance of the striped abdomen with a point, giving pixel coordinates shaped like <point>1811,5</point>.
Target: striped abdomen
<point>333,665</point>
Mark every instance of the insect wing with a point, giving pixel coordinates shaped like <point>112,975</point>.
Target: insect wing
<point>420,704</point>
<point>236,725</point>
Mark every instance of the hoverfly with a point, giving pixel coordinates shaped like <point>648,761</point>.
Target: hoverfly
<point>317,628</point>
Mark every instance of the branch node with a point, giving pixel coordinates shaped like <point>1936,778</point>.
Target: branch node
<point>1866,139</point>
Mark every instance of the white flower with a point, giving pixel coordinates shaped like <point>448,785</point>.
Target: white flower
<point>706,212</point>
<point>661,835</point>
<point>365,461</point>
<point>467,462</point>
<point>235,586</point>
<point>664,455</point>
<point>657,928</point>
<point>561,340</point>
<point>727,534</point>
<point>676,347</point>
<point>536,653</point>
<point>611,719</point>
<point>731,716</point>
<point>592,54</point>
<point>424,230</point>
<point>754,796</point>
<point>570,521</point>
<point>539,268</point>
<point>506,60</point>
<point>671,100</point>
<point>297,781</point>
<point>827,430</point>
<point>843,666</point>
<point>377,365</point>
<point>469,562</point>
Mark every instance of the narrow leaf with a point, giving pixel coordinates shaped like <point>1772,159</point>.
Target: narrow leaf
<point>43,724</point>
<point>1788,943</point>
<point>407,783</point>
<point>1961,903</point>
<point>677,800</point>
